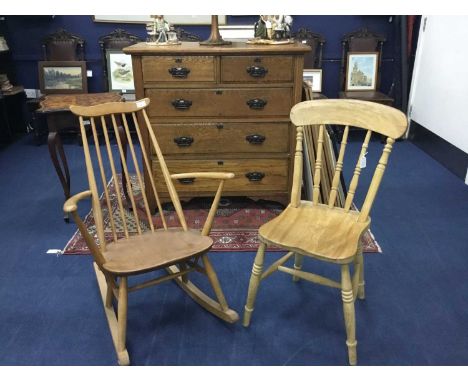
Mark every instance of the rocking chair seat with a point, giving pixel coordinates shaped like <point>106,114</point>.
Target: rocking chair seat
<point>330,234</point>
<point>153,250</point>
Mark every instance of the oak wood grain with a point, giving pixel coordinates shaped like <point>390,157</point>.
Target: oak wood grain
<point>275,68</point>
<point>219,102</point>
<point>197,68</point>
<point>233,137</point>
<point>194,48</point>
<point>216,90</point>
<point>274,171</point>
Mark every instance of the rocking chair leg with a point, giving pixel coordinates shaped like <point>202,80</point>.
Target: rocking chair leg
<point>298,259</point>
<point>110,291</point>
<point>114,324</point>
<point>183,267</point>
<point>254,283</point>
<point>349,314</point>
<point>213,279</point>
<point>122,320</point>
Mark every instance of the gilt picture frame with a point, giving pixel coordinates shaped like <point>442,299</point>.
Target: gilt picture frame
<point>120,71</point>
<point>361,71</point>
<point>62,77</point>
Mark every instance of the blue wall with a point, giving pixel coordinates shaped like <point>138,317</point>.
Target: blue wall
<point>24,34</point>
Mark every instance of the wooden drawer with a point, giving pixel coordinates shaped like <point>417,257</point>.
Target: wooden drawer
<point>257,69</point>
<point>178,69</point>
<point>230,137</point>
<point>250,102</point>
<point>251,174</point>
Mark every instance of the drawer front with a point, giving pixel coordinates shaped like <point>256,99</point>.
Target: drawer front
<point>257,69</point>
<point>204,138</point>
<point>179,69</point>
<point>251,174</point>
<point>219,102</point>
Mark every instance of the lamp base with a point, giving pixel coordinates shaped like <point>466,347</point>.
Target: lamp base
<point>215,38</point>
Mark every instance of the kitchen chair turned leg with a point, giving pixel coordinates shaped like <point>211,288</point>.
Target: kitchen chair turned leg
<point>254,283</point>
<point>349,314</point>
<point>361,294</point>
<point>298,260</point>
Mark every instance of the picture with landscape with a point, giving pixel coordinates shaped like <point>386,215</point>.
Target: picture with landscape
<point>63,78</point>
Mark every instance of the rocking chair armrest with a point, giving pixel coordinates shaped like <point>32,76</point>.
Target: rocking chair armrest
<point>71,205</point>
<point>204,175</point>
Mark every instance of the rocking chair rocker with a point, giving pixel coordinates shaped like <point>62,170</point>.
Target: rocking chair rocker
<point>177,250</point>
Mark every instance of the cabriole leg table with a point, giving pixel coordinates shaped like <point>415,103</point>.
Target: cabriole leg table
<point>59,118</point>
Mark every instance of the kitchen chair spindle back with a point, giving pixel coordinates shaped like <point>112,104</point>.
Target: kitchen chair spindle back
<point>325,231</point>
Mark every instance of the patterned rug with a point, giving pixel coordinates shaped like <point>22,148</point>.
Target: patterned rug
<point>235,226</point>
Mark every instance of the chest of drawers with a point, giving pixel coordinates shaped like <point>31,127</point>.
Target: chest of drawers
<point>222,109</point>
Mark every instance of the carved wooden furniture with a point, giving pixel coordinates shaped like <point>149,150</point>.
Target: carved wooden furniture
<point>363,40</point>
<point>56,108</point>
<point>222,108</point>
<point>178,250</point>
<point>324,231</point>
<point>313,59</point>
<point>63,46</point>
<point>60,46</point>
<point>118,39</point>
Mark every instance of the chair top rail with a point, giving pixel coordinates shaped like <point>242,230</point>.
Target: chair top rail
<point>372,116</point>
<point>109,108</point>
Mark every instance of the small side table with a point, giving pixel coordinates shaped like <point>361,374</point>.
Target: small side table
<point>56,108</point>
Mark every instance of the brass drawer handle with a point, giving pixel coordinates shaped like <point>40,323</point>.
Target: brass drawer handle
<point>257,71</point>
<point>183,141</point>
<point>186,180</point>
<point>255,139</point>
<point>256,103</point>
<point>255,176</point>
<point>181,104</point>
<point>179,72</point>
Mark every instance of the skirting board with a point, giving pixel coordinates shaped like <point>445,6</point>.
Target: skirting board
<point>442,151</point>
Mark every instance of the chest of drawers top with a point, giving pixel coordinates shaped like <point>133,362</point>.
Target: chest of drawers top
<point>236,48</point>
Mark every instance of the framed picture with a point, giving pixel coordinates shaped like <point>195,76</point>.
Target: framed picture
<point>171,19</point>
<point>119,71</point>
<point>313,77</point>
<point>62,77</point>
<point>361,73</point>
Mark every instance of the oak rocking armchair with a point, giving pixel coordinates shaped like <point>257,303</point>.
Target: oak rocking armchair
<point>177,250</point>
<point>324,231</point>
